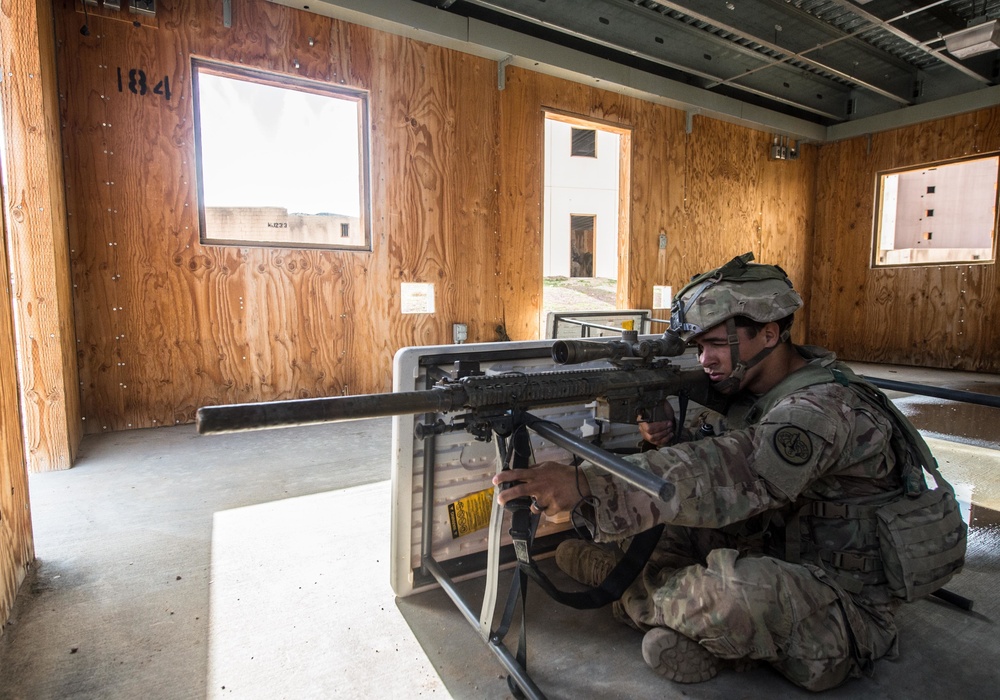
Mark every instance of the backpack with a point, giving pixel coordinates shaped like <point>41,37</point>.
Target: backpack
<point>922,536</point>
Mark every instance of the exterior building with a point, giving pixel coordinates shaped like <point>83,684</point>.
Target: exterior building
<point>581,201</point>
<point>277,225</point>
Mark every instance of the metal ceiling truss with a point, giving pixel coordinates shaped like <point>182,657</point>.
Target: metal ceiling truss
<point>817,70</point>
<point>833,59</point>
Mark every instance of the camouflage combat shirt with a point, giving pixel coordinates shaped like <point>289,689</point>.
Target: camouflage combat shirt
<point>820,443</point>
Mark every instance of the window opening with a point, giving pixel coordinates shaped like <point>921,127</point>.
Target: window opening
<point>282,161</point>
<point>965,213</point>
<point>584,143</point>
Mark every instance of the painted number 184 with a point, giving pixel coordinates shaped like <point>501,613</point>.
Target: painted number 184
<point>137,83</point>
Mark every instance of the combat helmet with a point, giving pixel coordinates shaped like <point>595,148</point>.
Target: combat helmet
<point>762,293</point>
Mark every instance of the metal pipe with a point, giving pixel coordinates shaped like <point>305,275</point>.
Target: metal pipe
<point>588,324</point>
<point>935,391</point>
<point>427,506</point>
<point>638,477</point>
<point>509,662</point>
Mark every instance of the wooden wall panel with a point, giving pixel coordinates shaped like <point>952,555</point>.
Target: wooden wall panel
<point>519,263</point>
<point>17,547</point>
<point>935,316</point>
<point>658,203</point>
<point>707,190</point>
<point>166,324</point>
<point>36,237</point>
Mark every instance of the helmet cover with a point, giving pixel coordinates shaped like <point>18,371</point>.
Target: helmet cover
<point>762,293</point>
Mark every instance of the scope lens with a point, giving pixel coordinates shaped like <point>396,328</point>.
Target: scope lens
<point>560,352</point>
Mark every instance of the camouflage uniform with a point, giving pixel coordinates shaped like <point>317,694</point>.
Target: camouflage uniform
<point>723,574</point>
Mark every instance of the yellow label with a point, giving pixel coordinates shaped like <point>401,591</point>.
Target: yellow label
<point>628,325</point>
<point>470,513</point>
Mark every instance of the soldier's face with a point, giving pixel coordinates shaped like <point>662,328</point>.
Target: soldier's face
<point>714,353</point>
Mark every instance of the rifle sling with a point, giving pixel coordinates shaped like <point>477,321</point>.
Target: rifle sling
<point>522,532</point>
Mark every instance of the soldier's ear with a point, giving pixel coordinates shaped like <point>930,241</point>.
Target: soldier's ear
<point>772,334</point>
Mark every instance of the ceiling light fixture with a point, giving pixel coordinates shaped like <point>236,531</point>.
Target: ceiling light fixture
<point>974,40</point>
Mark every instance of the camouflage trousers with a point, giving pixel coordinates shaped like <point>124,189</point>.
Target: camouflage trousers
<point>792,616</point>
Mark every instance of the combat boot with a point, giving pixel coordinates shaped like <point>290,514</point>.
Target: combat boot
<point>585,562</point>
<point>679,658</point>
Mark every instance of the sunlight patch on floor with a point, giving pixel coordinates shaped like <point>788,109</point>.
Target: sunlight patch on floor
<point>301,605</point>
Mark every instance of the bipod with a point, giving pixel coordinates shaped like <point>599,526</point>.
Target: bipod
<point>515,454</point>
<point>515,451</point>
<point>514,448</point>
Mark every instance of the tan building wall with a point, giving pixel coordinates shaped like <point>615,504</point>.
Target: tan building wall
<point>276,225</point>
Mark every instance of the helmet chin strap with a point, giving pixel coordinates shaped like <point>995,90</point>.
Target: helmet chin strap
<point>731,384</point>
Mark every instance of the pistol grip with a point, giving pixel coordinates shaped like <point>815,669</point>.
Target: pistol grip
<point>656,414</point>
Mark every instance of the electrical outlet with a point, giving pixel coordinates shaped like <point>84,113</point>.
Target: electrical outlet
<point>142,7</point>
<point>663,240</point>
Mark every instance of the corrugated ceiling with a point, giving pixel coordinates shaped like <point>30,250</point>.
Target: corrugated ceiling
<point>825,61</point>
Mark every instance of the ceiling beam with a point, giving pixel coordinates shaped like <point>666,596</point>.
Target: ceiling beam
<point>928,111</point>
<point>424,23</point>
<point>788,55</point>
<point>690,66</point>
<point>916,43</point>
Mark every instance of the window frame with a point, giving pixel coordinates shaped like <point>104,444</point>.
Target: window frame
<point>877,214</point>
<point>269,78</point>
<point>592,153</point>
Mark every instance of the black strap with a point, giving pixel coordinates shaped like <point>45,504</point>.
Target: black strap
<point>515,452</point>
<point>522,531</point>
<point>523,525</point>
<point>608,591</point>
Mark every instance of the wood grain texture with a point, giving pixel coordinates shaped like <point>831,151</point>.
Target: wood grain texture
<point>707,190</point>
<point>943,316</point>
<point>17,547</point>
<point>36,230</point>
<point>167,325</point>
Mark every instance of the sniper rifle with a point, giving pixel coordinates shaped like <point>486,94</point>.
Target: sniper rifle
<point>637,382</point>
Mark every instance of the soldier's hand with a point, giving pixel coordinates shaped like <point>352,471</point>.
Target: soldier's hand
<point>553,487</point>
<point>660,432</point>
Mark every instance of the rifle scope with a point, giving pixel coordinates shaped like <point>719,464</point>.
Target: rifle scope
<point>573,352</point>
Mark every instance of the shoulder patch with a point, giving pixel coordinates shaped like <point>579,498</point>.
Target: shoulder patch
<point>793,445</point>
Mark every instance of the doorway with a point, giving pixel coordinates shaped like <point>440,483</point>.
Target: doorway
<point>581,245</point>
<point>584,220</point>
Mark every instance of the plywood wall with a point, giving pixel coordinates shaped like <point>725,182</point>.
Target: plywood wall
<point>943,316</point>
<point>713,191</point>
<point>36,237</point>
<point>16,542</point>
<point>166,325</point>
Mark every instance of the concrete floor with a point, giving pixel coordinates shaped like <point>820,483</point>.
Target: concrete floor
<point>172,565</point>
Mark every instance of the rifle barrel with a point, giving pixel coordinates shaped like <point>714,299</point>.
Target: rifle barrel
<point>234,418</point>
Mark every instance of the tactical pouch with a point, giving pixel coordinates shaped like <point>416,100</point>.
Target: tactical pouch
<point>922,540</point>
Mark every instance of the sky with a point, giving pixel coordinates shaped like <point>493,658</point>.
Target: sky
<point>264,146</point>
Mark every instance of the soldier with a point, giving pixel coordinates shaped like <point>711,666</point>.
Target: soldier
<point>771,550</point>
